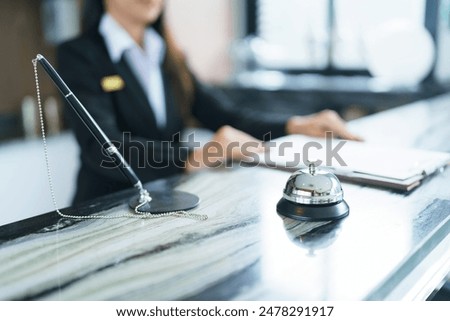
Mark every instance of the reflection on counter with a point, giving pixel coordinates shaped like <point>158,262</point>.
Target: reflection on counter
<point>312,236</point>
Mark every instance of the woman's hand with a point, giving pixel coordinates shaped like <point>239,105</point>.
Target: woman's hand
<point>320,123</point>
<point>227,143</point>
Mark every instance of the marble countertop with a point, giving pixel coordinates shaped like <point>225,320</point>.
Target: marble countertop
<point>391,246</point>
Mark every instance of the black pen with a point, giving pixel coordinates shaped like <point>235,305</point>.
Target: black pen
<point>90,123</point>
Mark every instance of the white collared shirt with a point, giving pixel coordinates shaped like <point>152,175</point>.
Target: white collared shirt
<point>145,62</point>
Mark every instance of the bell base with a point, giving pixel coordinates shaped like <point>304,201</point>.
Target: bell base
<point>167,201</point>
<point>311,213</point>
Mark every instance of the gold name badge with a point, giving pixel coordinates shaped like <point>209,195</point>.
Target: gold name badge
<point>112,83</point>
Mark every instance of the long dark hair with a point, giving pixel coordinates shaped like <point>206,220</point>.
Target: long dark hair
<point>91,14</point>
<point>174,63</point>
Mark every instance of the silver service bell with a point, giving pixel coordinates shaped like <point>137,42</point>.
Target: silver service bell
<point>312,194</point>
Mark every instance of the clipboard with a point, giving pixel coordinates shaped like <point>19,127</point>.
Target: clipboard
<point>401,169</point>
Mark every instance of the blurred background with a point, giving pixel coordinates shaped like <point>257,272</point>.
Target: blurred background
<point>276,56</point>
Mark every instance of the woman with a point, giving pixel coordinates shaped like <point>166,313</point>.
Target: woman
<point>127,71</point>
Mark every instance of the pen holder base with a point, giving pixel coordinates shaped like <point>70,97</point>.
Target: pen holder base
<point>166,201</point>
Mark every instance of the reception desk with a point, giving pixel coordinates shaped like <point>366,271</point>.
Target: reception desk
<point>392,246</point>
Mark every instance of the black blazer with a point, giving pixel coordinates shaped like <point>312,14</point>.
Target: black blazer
<point>128,120</point>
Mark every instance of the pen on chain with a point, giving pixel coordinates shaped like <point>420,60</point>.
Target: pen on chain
<point>90,123</point>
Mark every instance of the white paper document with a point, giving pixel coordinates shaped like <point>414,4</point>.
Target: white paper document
<point>396,168</point>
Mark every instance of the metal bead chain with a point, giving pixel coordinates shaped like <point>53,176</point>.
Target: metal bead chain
<point>137,212</point>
